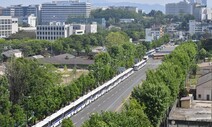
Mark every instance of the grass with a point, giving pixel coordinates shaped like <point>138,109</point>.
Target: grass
<point>68,75</point>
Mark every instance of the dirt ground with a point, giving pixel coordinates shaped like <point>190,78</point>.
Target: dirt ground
<point>69,75</point>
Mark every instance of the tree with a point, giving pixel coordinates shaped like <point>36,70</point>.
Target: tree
<point>116,38</point>
<point>19,115</point>
<point>5,103</point>
<point>67,123</point>
<point>155,97</point>
<point>202,53</point>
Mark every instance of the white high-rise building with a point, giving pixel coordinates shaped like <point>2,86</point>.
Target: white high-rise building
<point>183,7</point>
<point>53,31</point>
<point>59,11</point>
<point>8,26</point>
<point>32,20</point>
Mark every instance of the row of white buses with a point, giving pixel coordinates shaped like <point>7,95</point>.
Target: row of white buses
<point>76,106</point>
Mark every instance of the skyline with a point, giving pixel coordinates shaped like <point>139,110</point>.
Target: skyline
<point>5,3</point>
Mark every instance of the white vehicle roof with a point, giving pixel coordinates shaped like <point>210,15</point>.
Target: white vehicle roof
<point>139,63</point>
<point>78,101</point>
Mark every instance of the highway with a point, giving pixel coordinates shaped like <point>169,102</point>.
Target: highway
<point>113,100</point>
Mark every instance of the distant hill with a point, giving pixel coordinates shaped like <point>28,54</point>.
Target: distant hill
<point>146,7</point>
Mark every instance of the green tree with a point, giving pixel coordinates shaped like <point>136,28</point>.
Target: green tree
<point>67,123</point>
<point>116,38</point>
<point>156,98</point>
<point>202,53</point>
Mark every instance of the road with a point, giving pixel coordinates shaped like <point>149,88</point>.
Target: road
<point>113,100</point>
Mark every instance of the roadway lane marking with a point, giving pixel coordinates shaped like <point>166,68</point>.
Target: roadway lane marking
<point>123,93</point>
<point>75,123</point>
<point>123,102</point>
<point>99,105</point>
<point>82,118</point>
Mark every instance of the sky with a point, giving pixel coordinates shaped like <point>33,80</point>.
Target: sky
<point>5,3</point>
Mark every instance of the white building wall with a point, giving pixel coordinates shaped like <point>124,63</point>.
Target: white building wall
<point>32,20</point>
<point>8,26</point>
<point>182,7</point>
<point>91,28</point>
<point>14,25</point>
<point>148,35</point>
<point>53,31</point>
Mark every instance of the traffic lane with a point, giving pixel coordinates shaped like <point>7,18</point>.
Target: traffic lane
<point>117,104</point>
<point>106,102</point>
<point>103,105</point>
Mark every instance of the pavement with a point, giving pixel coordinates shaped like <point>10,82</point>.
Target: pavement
<point>114,99</point>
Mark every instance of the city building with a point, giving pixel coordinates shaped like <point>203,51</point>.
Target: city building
<point>32,20</point>
<point>1,11</point>
<point>80,29</point>
<point>53,31</point>
<point>56,30</point>
<point>8,26</point>
<point>153,33</point>
<point>204,87</point>
<point>59,11</point>
<point>183,7</point>
<point>197,8</point>
<point>194,27</point>
<point>190,113</point>
<point>202,2</point>
<point>11,53</point>
<point>68,60</point>
<point>21,11</point>
<point>91,28</point>
<point>199,27</point>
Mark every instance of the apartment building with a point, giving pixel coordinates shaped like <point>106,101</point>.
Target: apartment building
<point>53,31</point>
<point>59,11</point>
<point>8,26</point>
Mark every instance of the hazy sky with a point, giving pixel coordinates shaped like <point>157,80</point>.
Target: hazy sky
<point>26,2</point>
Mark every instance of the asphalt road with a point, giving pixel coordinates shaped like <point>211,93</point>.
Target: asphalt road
<point>113,100</point>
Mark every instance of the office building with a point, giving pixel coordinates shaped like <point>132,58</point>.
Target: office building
<point>194,27</point>
<point>91,28</point>
<point>1,11</point>
<point>8,26</point>
<point>59,11</point>
<point>53,31</point>
<point>153,33</point>
<point>199,27</point>
<point>56,30</point>
<point>183,7</point>
<point>21,11</point>
<point>32,20</point>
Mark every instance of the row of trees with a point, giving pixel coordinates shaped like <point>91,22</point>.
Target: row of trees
<point>150,100</point>
<point>36,91</point>
<point>72,44</point>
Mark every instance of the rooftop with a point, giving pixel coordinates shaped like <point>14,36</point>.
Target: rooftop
<point>204,78</point>
<point>10,53</point>
<point>199,111</point>
<point>66,59</point>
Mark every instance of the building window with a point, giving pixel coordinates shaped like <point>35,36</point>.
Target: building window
<point>208,97</point>
<point>199,95</point>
